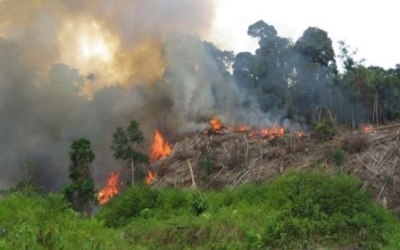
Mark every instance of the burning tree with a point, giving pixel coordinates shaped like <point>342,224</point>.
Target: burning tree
<point>81,192</point>
<point>123,144</point>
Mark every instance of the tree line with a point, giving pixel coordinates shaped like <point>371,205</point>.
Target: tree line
<point>293,79</point>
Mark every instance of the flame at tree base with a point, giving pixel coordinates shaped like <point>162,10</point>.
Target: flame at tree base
<point>160,150</point>
<point>110,190</point>
<point>150,178</point>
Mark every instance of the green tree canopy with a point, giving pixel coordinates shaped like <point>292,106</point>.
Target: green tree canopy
<point>123,145</point>
<point>80,192</point>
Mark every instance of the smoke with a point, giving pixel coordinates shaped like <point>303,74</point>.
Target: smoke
<point>71,69</point>
<point>119,42</point>
<point>121,54</point>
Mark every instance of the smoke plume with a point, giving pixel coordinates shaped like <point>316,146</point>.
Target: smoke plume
<point>71,69</point>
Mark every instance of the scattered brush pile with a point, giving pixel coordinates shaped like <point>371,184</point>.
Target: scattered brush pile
<point>375,159</point>
<point>224,159</point>
<point>229,159</point>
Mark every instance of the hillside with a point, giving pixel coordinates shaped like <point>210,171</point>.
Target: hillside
<point>230,158</point>
<point>232,189</point>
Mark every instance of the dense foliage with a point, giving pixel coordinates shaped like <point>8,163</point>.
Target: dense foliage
<point>123,145</point>
<point>295,211</point>
<point>292,79</point>
<point>32,221</point>
<point>80,192</point>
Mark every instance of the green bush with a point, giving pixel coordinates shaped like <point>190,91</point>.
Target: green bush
<point>295,211</point>
<point>126,206</point>
<point>324,130</point>
<point>48,222</point>
<point>198,203</point>
<point>206,166</point>
<point>339,157</point>
<point>312,207</point>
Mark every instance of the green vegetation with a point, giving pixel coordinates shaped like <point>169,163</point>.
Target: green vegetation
<point>295,211</point>
<point>339,157</point>
<point>80,192</point>
<point>31,221</point>
<point>324,130</point>
<point>123,145</point>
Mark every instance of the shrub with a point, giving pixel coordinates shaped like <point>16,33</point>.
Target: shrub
<point>198,203</point>
<point>324,130</point>
<point>48,222</point>
<point>339,157</point>
<point>206,166</point>
<point>354,143</point>
<point>135,199</point>
<point>313,206</point>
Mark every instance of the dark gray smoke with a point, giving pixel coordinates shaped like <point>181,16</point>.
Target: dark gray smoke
<point>41,116</point>
<point>162,75</point>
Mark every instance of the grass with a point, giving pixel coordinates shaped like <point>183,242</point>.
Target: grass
<point>295,211</point>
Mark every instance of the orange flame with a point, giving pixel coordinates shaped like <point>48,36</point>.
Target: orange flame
<point>160,148</point>
<point>242,128</point>
<point>272,132</point>
<point>216,125</point>
<point>110,190</point>
<point>368,129</point>
<point>268,132</point>
<point>150,178</point>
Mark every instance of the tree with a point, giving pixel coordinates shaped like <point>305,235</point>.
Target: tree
<point>317,45</point>
<point>123,144</point>
<point>265,74</point>
<point>315,70</point>
<point>261,30</point>
<point>81,192</point>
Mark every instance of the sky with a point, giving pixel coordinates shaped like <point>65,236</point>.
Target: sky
<point>369,26</point>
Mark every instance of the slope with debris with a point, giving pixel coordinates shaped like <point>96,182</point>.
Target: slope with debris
<point>218,159</point>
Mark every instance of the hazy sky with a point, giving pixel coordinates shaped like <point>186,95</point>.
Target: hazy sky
<point>370,26</point>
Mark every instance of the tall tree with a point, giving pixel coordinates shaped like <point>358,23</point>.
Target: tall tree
<point>317,45</point>
<point>123,143</point>
<point>315,67</point>
<point>265,75</point>
<point>80,192</point>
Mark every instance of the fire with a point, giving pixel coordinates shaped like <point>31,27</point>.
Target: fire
<point>268,132</point>
<point>216,125</point>
<point>299,134</point>
<point>368,129</point>
<point>110,190</point>
<point>160,148</point>
<point>242,128</point>
<point>150,178</point>
<point>271,132</point>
